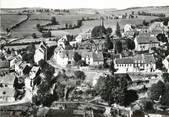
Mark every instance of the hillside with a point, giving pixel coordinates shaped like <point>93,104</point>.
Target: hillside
<point>11,17</point>
<point>151,9</point>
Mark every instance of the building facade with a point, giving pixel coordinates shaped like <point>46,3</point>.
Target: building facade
<point>41,52</point>
<point>138,63</point>
<point>145,42</point>
<point>65,57</point>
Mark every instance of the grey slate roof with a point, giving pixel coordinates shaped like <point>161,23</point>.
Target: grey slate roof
<point>4,64</point>
<point>97,56</point>
<point>146,39</point>
<point>144,58</point>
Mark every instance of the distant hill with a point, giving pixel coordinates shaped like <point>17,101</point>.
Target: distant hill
<point>150,9</point>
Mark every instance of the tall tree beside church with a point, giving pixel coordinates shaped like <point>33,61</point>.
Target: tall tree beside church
<point>118,33</point>
<point>130,44</point>
<point>77,57</point>
<point>118,46</point>
<point>108,43</point>
<point>112,68</point>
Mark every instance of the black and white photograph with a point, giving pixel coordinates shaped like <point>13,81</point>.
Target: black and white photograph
<point>84,58</point>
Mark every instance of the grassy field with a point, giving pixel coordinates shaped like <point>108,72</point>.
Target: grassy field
<point>108,23</point>
<point>164,10</point>
<point>29,27</point>
<point>6,21</point>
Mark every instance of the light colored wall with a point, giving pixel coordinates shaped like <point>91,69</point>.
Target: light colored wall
<point>124,68</point>
<point>130,68</point>
<point>61,61</point>
<point>38,56</point>
<point>166,64</point>
<point>138,47</point>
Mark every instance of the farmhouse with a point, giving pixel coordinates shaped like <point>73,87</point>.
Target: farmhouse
<point>128,27</point>
<point>22,68</point>
<point>33,72</point>
<point>15,60</point>
<point>157,28</point>
<point>65,57</point>
<point>156,25</point>
<point>144,42</point>
<point>41,52</point>
<point>138,63</point>
<point>62,41</point>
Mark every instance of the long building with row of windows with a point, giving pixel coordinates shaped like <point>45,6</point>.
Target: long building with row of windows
<point>137,63</point>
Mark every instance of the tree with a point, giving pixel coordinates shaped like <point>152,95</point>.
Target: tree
<point>80,75</point>
<point>43,95</point>
<point>19,86</point>
<point>66,26</point>
<point>7,30</point>
<point>77,57</point>
<point>147,105</point>
<point>130,44</point>
<point>8,51</point>
<point>138,113</point>
<point>50,51</point>
<point>132,12</point>
<point>79,23</point>
<point>70,26</point>
<point>42,63</point>
<point>118,32</point>
<point>145,23</point>
<point>111,67</point>
<point>108,44</point>
<point>31,48</point>
<point>156,90</point>
<point>34,35</point>
<point>165,77</point>
<point>165,96</point>
<point>98,31</point>
<point>165,22</point>
<point>39,27</point>
<point>118,46</point>
<point>53,21</point>
<point>104,87</point>
<point>59,90</point>
<point>28,56</point>
<point>161,37</point>
<point>112,89</point>
<point>108,31</point>
<point>130,96</point>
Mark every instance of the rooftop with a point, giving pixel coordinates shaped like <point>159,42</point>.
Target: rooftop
<point>145,38</point>
<point>97,56</point>
<point>144,58</point>
<point>4,64</point>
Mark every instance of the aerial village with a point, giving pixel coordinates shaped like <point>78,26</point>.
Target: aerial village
<point>98,73</point>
